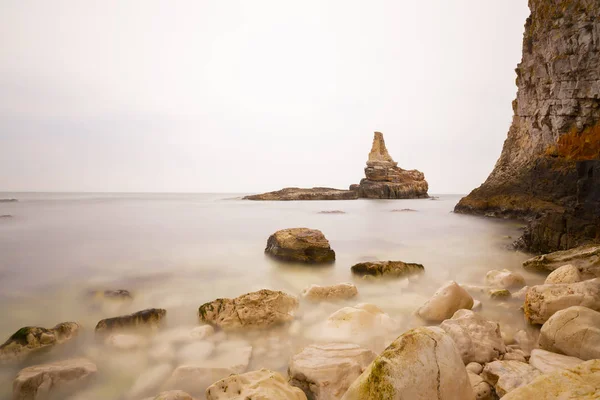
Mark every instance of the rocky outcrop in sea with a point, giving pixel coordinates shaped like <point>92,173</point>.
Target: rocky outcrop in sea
<point>549,169</point>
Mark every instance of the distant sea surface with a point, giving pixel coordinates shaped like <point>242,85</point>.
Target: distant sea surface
<point>178,251</point>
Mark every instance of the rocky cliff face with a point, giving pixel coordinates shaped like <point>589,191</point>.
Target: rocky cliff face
<point>385,180</point>
<point>549,166</point>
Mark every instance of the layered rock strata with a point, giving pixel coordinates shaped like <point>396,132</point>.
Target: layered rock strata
<point>549,169</point>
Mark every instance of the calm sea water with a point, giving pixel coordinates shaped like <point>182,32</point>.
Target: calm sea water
<point>178,251</point>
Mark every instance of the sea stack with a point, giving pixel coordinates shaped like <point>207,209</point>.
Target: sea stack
<point>549,169</point>
<point>385,180</point>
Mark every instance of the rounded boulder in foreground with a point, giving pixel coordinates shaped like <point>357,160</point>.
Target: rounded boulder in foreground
<point>300,245</point>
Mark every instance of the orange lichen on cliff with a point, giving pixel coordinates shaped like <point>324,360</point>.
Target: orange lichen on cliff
<point>578,146</point>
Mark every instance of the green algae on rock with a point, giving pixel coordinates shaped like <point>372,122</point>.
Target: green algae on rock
<point>395,269</point>
<point>150,318</point>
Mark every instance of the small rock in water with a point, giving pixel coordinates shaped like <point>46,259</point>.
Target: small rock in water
<point>395,269</point>
<point>499,294</point>
<point>341,291</point>
<point>34,338</point>
<point>445,302</point>
<point>8,200</point>
<point>150,318</point>
<point>504,279</point>
<point>262,384</point>
<point>6,216</point>
<point>332,212</point>
<point>404,210</point>
<point>300,245</point>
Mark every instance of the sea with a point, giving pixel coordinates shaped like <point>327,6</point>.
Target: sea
<point>178,251</point>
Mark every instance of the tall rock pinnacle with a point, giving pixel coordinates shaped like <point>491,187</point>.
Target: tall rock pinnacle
<point>379,153</point>
<point>550,164</point>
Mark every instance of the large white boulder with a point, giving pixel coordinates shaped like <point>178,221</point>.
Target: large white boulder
<point>581,382</point>
<point>565,274</point>
<point>574,331</point>
<point>506,376</point>
<point>445,302</point>
<point>548,362</point>
<point>542,301</point>
<point>422,364</point>
<point>341,291</point>
<point>325,371</point>
<point>260,385</point>
<point>504,279</point>
<point>477,338</point>
<point>42,381</point>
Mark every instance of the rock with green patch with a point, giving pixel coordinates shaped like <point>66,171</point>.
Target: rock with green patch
<point>300,245</point>
<point>422,364</point>
<point>262,309</point>
<point>499,294</point>
<point>262,384</point>
<point>31,339</point>
<point>151,318</point>
<point>393,269</point>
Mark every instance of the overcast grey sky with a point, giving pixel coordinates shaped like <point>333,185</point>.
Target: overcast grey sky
<point>248,96</point>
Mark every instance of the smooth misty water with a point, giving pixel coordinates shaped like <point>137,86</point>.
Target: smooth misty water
<point>178,251</point>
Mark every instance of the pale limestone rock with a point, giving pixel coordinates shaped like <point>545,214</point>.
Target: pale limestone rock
<point>341,291</point>
<point>481,389</point>
<point>262,384</point>
<point>565,274</point>
<point>520,294</point>
<point>514,355</point>
<point>262,309</point>
<point>363,324</point>
<point>581,382</point>
<point>548,362</point>
<point>504,279</point>
<point>126,341</point>
<point>506,376</point>
<point>41,381</point>
<point>474,367</point>
<point>574,331</point>
<point>150,380</point>
<point>422,364</point>
<point>173,395</point>
<point>477,339</point>
<point>325,371</point>
<point>543,301</point>
<point>586,259</point>
<point>300,245</point>
<point>445,302</point>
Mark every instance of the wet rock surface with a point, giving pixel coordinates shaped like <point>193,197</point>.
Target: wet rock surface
<point>317,193</point>
<point>300,245</point>
<point>262,384</point>
<point>151,318</point>
<point>585,258</point>
<point>341,291</point>
<point>393,269</point>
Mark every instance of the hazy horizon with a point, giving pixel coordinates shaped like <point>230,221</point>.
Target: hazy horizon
<point>236,97</point>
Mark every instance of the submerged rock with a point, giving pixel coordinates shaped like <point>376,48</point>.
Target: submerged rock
<point>332,212</point>
<point>581,382</point>
<point>150,381</point>
<point>31,339</point>
<point>574,332</point>
<point>385,180</point>
<point>548,362</point>
<point>395,269</point>
<point>151,318</point>
<point>506,376</point>
<point>499,294</point>
<point>422,364</point>
<point>477,338</point>
<point>300,245</point>
<point>262,309</point>
<point>42,381</point>
<point>119,294</point>
<point>262,384</point>
<point>586,259</point>
<point>445,302</point>
<point>543,301</point>
<point>325,371</point>
<point>504,279</point>
<point>341,291</point>
<point>317,193</point>
<point>565,274</point>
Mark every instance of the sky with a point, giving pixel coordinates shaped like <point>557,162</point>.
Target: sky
<point>251,96</point>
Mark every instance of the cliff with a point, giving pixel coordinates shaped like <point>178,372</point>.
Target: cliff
<point>549,166</point>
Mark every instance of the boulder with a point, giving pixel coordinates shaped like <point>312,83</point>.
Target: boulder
<point>341,291</point>
<point>581,382</point>
<point>262,384</point>
<point>565,274</point>
<point>300,245</point>
<point>542,301</point>
<point>363,324</point>
<point>445,302</point>
<point>262,309</point>
<point>504,279</point>
<point>394,269</point>
<point>477,339</point>
<point>506,376</point>
<point>574,331</point>
<point>548,362</point>
<point>31,339</point>
<point>481,389</point>
<point>585,258</point>
<point>422,364</point>
<point>146,319</point>
<point>325,371</point>
<point>42,381</point>
<point>474,367</point>
<point>317,193</point>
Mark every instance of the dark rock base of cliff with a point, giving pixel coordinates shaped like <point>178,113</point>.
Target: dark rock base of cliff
<point>318,193</point>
